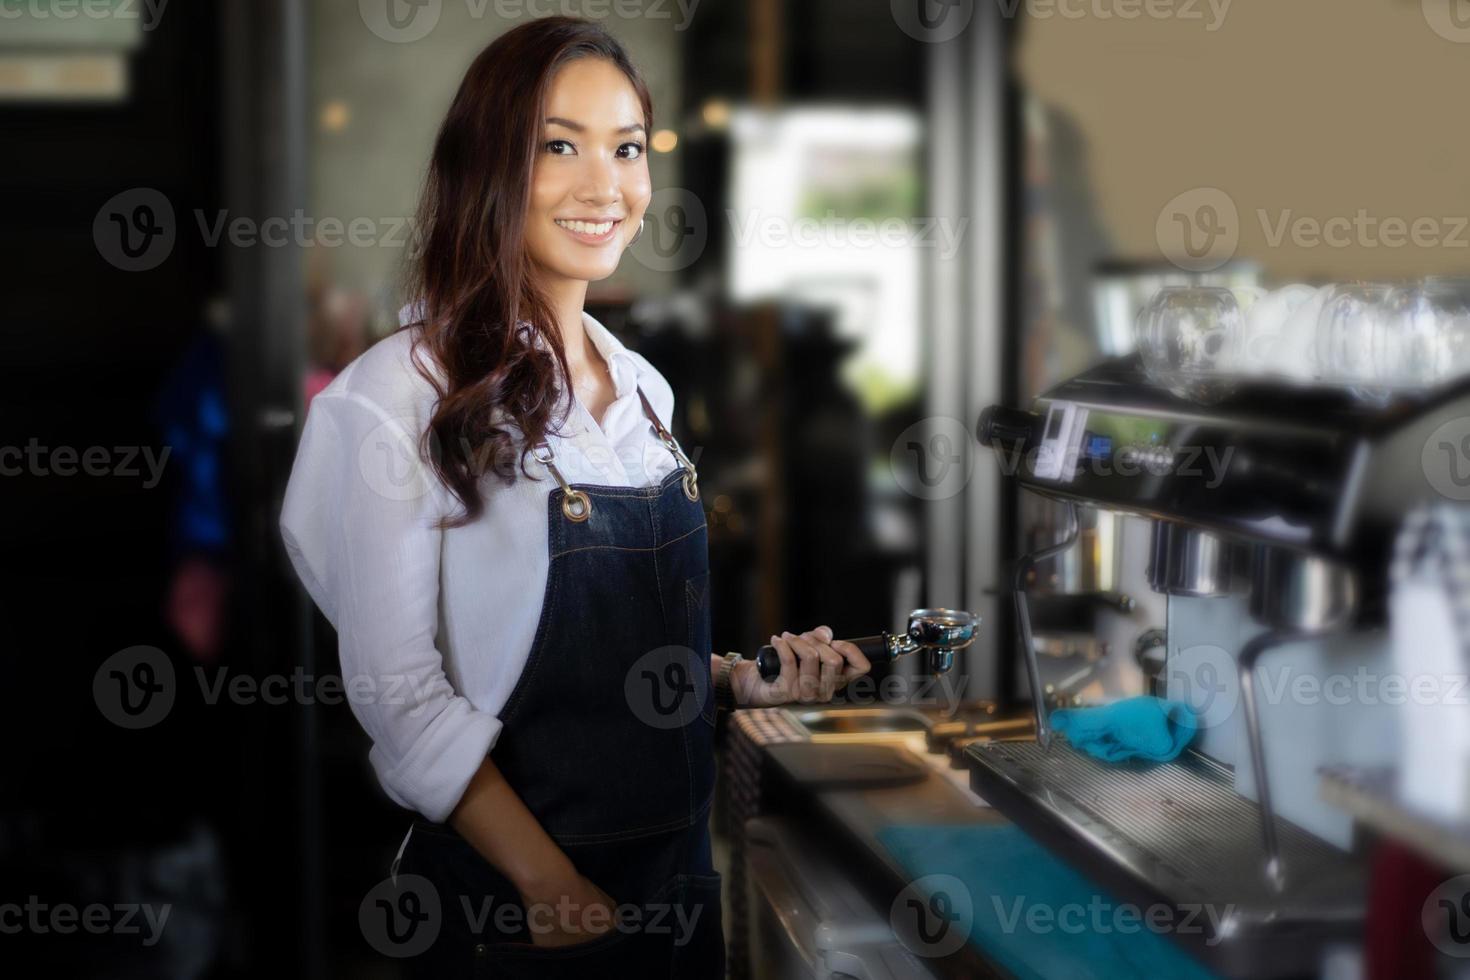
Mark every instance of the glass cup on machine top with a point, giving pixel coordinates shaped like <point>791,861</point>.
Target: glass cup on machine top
<point>1190,339</point>
<point>1425,335</point>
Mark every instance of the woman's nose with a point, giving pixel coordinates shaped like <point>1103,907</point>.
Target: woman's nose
<point>599,182</point>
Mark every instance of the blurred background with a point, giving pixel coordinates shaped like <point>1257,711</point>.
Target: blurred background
<point>872,220</point>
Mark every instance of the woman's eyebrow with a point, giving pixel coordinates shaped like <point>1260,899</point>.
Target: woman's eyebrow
<point>577,127</point>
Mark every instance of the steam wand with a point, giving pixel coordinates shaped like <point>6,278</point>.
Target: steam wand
<point>1271,639</point>
<point>1023,615</point>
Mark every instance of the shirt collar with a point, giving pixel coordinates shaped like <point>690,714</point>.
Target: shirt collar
<point>619,359</point>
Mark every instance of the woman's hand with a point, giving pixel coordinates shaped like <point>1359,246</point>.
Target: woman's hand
<point>496,822</point>
<point>575,912</point>
<point>813,667</point>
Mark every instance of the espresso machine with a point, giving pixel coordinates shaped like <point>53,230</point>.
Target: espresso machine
<point>1274,508</point>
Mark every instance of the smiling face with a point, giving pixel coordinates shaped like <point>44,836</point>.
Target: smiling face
<point>590,185</point>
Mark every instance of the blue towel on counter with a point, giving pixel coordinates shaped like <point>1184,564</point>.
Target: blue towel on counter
<point>1033,914</point>
<point>1134,728</point>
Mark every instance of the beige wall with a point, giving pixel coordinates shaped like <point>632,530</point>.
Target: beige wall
<point>397,94</point>
<point>1318,107</point>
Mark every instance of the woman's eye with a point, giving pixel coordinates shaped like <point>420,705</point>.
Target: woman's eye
<point>551,147</point>
<point>637,150</point>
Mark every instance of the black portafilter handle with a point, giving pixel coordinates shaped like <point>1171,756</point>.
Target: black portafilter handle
<point>875,648</point>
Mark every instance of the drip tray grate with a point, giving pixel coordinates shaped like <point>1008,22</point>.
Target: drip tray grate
<point>1178,834</point>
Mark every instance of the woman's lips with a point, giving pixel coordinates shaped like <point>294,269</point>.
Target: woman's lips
<point>592,239</point>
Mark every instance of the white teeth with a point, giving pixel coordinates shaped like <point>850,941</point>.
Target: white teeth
<point>583,228</point>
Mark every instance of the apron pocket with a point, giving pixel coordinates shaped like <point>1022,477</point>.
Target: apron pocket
<point>615,953</point>
<point>699,932</point>
<point>600,941</point>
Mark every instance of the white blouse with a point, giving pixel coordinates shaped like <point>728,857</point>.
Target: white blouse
<point>434,627</point>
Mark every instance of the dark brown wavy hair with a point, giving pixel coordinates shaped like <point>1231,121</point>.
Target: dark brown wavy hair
<point>479,306</point>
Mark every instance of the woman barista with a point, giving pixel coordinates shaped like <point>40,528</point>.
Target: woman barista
<point>526,557</point>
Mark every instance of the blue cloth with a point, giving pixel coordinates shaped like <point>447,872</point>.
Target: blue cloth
<point>1033,914</point>
<point>1134,728</point>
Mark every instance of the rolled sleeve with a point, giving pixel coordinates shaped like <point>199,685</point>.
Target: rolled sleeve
<point>358,523</point>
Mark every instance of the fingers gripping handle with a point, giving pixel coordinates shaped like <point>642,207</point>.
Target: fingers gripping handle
<point>768,661</point>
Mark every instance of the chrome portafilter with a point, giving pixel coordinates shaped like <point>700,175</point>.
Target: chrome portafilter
<point>939,631</point>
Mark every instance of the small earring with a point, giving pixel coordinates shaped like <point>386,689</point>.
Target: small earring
<point>639,234</point>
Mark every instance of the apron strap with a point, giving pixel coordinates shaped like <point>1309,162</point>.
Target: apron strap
<point>581,506</point>
<point>663,433</point>
<point>691,478</point>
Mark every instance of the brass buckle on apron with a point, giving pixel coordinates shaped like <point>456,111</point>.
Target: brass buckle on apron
<point>576,506</point>
<point>691,478</point>
<point>581,511</point>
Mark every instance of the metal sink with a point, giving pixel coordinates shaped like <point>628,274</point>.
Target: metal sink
<point>857,724</point>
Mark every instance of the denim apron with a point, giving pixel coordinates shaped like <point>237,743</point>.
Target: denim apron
<point>608,738</point>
